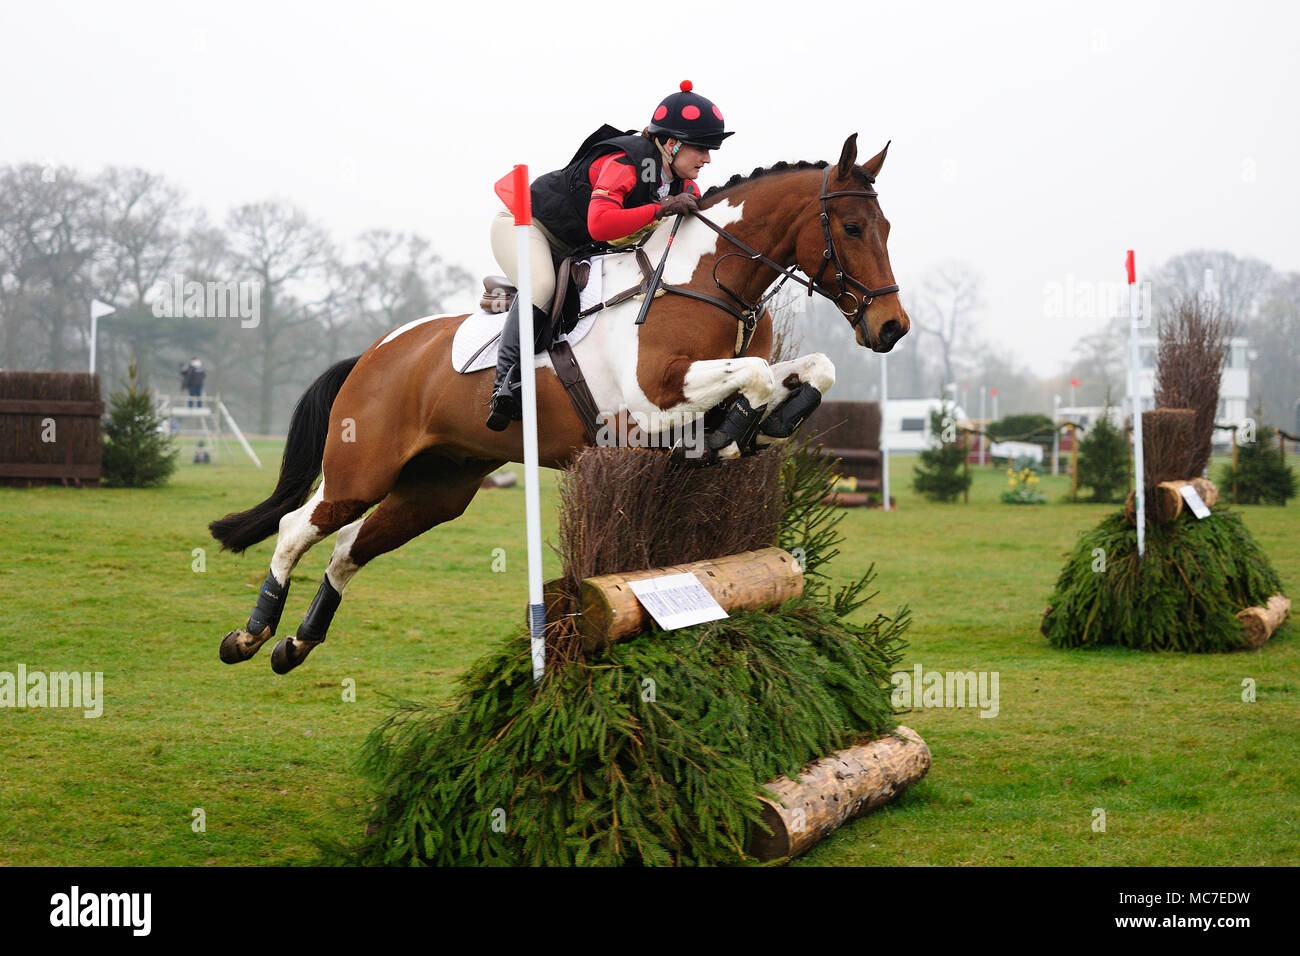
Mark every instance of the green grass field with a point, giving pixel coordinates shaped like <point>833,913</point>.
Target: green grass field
<point>1183,769</point>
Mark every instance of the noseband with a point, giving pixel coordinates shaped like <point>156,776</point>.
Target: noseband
<point>860,300</point>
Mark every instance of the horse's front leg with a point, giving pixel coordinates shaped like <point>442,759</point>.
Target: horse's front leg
<point>708,383</point>
<point>800,385</point>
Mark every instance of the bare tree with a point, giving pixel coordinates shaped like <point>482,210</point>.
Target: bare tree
<point>950,297</point>
<point>1240,284</point>
<point>280,247</point>
<point>1100,363</point>
<point>47,240</point>
<point>399,277</point>
<point>140,223</point>
<point>1275,369</point>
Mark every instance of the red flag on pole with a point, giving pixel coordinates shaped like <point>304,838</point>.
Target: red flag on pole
<point>1132,269</point>
<point>515,193</point>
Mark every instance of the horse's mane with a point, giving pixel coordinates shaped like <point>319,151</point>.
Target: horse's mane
<point>781,167</point>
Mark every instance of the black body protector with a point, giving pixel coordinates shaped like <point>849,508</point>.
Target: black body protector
<point>561,198</point>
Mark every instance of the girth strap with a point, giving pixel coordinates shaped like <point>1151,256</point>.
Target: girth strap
<point>575,384</point>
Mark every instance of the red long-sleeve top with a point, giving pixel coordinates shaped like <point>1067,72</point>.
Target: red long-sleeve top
<point>611,181</point>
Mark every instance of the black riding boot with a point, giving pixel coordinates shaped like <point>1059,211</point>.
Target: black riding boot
<point>506,406</point>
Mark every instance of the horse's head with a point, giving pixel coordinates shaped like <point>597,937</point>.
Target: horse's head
<point>843,249</point>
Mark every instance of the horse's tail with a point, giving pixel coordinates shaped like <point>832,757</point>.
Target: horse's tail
<point>299,468</point>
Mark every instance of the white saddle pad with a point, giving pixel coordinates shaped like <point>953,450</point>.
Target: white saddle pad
<point>475,346</point>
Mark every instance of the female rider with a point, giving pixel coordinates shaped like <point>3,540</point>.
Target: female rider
<point>614,190</point>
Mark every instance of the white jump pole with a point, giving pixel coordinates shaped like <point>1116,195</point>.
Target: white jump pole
<point>520,203</point>
<point>884,428</point>
<point>97,309</point>
<point>1135,390</point>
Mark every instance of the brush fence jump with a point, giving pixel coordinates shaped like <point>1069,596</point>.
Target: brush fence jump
<point>610,611</point>
<point>833,790</point>
<point>49,428</point>
<point>830,791</point>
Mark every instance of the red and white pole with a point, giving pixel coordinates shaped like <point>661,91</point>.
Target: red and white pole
<point>514,191</point>
<point>1135,391</point>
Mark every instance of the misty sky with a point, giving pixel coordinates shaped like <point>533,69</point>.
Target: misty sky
<point>1033,140</point>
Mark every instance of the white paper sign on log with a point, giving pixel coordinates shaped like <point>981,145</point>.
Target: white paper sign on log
<point>1194,501</point>
<point>677,600</point>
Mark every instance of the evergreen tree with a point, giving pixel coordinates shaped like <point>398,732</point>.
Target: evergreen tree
<point>1262,476</point>
<point>136,453</point>
<point>939,475</point>
<point>1103,460</point>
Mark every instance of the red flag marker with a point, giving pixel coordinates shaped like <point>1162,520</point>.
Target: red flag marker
<point>515,193</point>
<point>1132,269</point>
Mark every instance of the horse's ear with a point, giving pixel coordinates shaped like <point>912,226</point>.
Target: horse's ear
<point>872,166</point>
<point>848,157</point>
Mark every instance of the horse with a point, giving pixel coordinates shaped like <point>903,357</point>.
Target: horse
<point>399,431</point>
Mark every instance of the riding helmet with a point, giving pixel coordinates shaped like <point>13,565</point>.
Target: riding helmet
<point>689,118</point>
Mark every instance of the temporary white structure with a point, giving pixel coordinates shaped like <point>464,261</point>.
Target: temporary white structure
<point>204,419</point>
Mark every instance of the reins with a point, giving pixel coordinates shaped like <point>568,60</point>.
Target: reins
<point>748,315</point>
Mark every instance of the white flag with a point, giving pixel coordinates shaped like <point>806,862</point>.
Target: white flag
<point>98,308</point>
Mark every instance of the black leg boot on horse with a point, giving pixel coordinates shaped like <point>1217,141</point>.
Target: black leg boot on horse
<point>506,403</point>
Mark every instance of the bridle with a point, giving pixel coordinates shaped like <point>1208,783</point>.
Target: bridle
<point>749,312</point>
<point>831,256</point>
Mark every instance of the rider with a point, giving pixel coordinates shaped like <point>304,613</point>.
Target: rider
<point>614,190</point>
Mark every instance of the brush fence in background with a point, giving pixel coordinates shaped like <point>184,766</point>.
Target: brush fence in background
<point>49,428</point>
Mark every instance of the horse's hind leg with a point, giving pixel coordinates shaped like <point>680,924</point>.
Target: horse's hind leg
<point>299,530</point>
<point>431,490</point>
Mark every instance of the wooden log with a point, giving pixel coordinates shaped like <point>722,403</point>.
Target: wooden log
<point>751,579</point>
<point>1207,489</point>
<point>1261,622</point>
<point>835,789</point>
<point>1169,501</point>
<point>847,499</point>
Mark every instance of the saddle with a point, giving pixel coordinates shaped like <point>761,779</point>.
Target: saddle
<point>571,278</point>
<point>565,312</point>
<point>499,293</point>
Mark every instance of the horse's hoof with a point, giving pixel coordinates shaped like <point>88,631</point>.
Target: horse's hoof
<point>239,645</point>
<point>289,653</point>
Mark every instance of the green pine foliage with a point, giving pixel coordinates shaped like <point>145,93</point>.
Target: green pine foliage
<point>939,474</point>
<point>1181,596</point>
<point>654,752</point>
<point>136,453</point>
<point>1103,460</point>
<point>1262,476</point>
